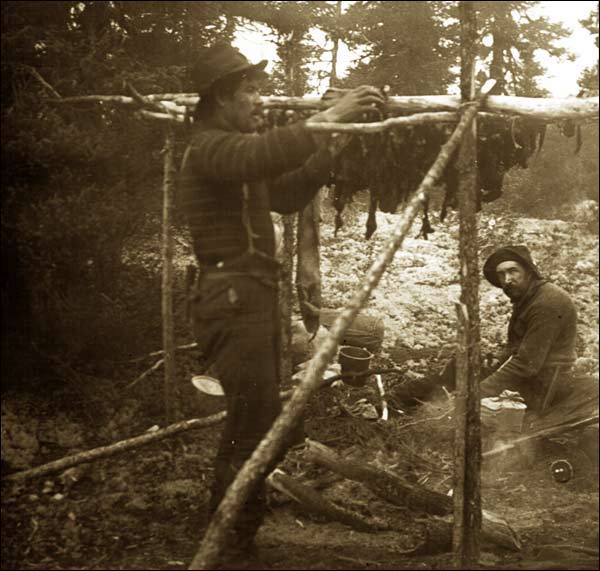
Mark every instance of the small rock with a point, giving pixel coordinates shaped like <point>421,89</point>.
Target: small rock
<point>33,497</point>
<point>48,487</point>
<point>138,504</point>
<point>58,497</point>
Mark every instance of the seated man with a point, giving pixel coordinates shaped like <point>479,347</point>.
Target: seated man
<point>541,332</point>
<point>541,338</point>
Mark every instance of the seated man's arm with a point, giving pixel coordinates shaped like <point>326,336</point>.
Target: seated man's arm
<point>543,326</point>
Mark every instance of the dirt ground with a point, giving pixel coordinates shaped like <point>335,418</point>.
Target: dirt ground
<point>146,509</point>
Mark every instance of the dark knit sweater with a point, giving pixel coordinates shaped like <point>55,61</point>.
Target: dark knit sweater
<point>282,169</point>
<point>541,334</point>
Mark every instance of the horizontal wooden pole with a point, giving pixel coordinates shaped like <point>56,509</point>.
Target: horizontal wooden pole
<point>377,126</point>
<point>544,109</point>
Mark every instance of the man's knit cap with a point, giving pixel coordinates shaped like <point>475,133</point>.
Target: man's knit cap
<point>519,254</point>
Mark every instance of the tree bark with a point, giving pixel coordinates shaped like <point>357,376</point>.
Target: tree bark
<point>170,173</point>
<point>384,484</point>
<point>286,299</point>
<point>467,443</point>
<point>315,503</point>
<point>254,468</point>
<point>335,38</point>
<point>398,491</point>
<point>499,47</point>
<point>287,275</point>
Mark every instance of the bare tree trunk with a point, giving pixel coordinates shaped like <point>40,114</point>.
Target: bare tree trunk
<point>286,299</point>
<point>287,277</point>
<point>336,46</point>
<point>467,447</point>
<point>255,467</point>
<point>170,172</point>
<point>498,65</point>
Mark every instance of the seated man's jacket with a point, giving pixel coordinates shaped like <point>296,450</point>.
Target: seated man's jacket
<point>541,338</point>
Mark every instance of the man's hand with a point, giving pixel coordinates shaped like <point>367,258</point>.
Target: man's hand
<point>350,106</point>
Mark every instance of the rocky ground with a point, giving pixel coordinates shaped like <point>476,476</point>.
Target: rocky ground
<point>145,509</point>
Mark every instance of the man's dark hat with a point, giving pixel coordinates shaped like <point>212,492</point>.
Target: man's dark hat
<point>219,61</point>
<point>519,254</point>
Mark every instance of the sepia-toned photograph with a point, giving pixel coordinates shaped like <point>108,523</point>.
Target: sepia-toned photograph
<point>300,285</point>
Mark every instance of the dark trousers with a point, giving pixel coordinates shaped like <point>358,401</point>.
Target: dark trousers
<point>236,324</point>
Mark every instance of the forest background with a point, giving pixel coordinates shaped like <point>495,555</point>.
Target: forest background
<point>81,186</point>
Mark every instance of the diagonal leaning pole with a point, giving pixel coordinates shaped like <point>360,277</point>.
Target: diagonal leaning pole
<point>224,518</point>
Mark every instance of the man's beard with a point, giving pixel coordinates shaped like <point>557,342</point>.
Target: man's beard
<point>514,293</point>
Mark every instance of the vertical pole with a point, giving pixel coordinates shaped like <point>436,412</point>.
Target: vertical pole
<point>467,452</point>
<point>286,288</point>
<point>286,284</point>
<point>169,176</point>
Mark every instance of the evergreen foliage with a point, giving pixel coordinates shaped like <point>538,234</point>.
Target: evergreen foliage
<point>81,183</point>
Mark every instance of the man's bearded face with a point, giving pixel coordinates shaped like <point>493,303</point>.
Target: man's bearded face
<point>514,279</point>
<point>243,110</point>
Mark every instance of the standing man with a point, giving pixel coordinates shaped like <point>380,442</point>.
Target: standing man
<point>541,333</point>
<point>231,178</point>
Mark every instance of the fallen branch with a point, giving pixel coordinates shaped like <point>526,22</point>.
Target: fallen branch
<point>130,443</point>
<point>147,372</point>
<point>382,483</point>
<point>123,445</point>
<point>44,83</point>
<point>255,467</point>
<point>541,434</point>
<point>399,491</point>
<point>161,352</point>
<point>425,420</point>
<point>438,532</point>
<point>116,448</point>
<point>384,405</point>
<point>315,503</point>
